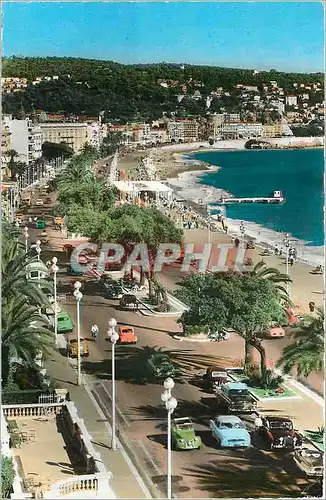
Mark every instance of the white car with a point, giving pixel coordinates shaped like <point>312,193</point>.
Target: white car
<point>39,202</point>
<point>309,461</point>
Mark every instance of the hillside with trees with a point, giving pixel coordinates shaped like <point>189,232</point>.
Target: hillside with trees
<point>127,92</point>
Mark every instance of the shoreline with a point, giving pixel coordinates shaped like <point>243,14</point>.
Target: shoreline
<point>188,187</point>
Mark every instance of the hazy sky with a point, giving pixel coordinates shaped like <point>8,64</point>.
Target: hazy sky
<point>285,35</point>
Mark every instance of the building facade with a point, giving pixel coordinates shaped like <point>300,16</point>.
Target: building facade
<point>75,135</point>
<point>183,131</point>
<point>25,138</point>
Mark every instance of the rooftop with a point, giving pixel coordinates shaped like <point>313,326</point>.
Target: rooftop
<point>153,186</point>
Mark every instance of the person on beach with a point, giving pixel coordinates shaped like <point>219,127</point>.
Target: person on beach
<point>236,242</point>
<point>280,251</point>
<point>311,306</point>
<point>276,250</point>
<point>291,260</point>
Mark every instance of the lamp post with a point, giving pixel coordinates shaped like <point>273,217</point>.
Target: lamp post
<point>38,249</point>
<point>78,296</point>
<point>286,242</point>
<point>55,269</point>
<point>209,223</point>
<point>170,404</point>
<point>242,231</point>
<point>26,238</point>
<point>114,337</point>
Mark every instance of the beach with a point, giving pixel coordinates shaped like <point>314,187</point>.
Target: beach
<point>174,165</point>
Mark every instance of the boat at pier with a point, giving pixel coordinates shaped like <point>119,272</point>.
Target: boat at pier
<point>276,197</point>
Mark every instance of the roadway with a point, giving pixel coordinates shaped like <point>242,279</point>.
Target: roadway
<point>202,473</point>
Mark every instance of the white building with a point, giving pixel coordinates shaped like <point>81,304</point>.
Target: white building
<point>183,130</point>
<point>291,100</point>
<point>241,130</point>
<point>26,138</point>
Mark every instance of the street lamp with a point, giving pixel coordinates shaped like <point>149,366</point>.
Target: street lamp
<point>55,269</point>
<point>26,238</point>
<point>78,296</point>
<point>38,249</point>
<point>242,231</point>
<point>286,242</point>
<point>114,337</point>
<point>209,223</point>
<point>170,404</point>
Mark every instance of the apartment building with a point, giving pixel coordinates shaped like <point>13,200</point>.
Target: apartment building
<point>75,135</point>
<point>5,147</point>
<point>183,131</point>
<point>159,135</point>
<point>25,138</point>
<point>141,133</point>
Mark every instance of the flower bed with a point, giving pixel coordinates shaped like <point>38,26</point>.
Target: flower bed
<point>238,375</point>
<point>316,438</point>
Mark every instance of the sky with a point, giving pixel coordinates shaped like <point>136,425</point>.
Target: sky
<point>287,36</point>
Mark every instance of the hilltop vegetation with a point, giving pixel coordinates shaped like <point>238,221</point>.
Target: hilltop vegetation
<point>128,91</point>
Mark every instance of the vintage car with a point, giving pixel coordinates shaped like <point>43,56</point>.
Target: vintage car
<point>65,323</point>
<point>310,461</point>
<point>183,435</point>
<point>161,366</point>
<point>279,434</point>
<point>111,290</point>
<point>128,301</point>
<point>40,224</point>
<point>235,397</point>
<point>39,202</point>
<point>73,347</point>
<point>230,431</point>
<point>214,378</point>
<point>276,332</point>
<point>44,238</point>
<point>126,335</point>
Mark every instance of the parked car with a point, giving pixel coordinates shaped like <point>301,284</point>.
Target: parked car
<point>235,397</point>
<point>40,224</point>
<point>230,431</point>
<point>112,291</point>
<point>279,433</point>
<point>44,238</point>
<point>214,378</point>
<point>73,347</point>
<point>161,366</point>
<point>310,461</point>
<point>127,335</point>
<point>128,301</point>
<point>276,332</point>
<point>183,434</point>
<point>65,323</point>
<point>39,202</point>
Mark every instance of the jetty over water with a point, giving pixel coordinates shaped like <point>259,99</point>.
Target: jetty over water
<point>276,197</point>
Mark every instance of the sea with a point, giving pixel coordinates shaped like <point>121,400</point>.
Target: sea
<point>298,173</point>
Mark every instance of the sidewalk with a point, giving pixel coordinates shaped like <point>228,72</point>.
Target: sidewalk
<point>126,482</point>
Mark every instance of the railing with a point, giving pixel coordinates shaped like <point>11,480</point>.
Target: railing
<point>97,484</point>
<point>32,410</point>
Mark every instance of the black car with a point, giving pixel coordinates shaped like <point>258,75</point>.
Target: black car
<point>279,434</point>
<point>112,291</point>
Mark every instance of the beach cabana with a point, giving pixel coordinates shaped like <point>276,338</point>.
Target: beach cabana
<point>143,190</point>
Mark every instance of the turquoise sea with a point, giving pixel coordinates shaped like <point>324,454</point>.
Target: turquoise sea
<point>297,173</point>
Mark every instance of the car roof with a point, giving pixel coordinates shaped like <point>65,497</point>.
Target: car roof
<point>228,418</point>
<point>236,385</point>
<point>277,419</point>
<point>63,314</point>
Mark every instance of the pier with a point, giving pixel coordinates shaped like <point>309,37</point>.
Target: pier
<point>275,197</point>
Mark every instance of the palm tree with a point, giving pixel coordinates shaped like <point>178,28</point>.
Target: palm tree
<point>306,354</point>
<point>276,277</point>
<point>25,333</point>
<point>14,283</point>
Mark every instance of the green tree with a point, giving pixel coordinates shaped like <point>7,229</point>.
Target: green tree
<point>248,304</point>
<point>7,476</point>
<point>306,354</point>
<point>51,150</point>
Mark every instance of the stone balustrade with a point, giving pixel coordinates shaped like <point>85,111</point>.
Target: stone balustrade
<point>32,410</point>
<point>87,486</point>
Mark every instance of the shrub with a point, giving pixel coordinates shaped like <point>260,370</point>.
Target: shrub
<point>268,381</point>
<point>7,476</point>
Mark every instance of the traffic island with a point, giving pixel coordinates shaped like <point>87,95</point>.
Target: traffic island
<point>149,309</point>
<point>316,438</point>
<point>283,392</point>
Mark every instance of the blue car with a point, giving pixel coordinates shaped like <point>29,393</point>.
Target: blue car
<point>230,431</point>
